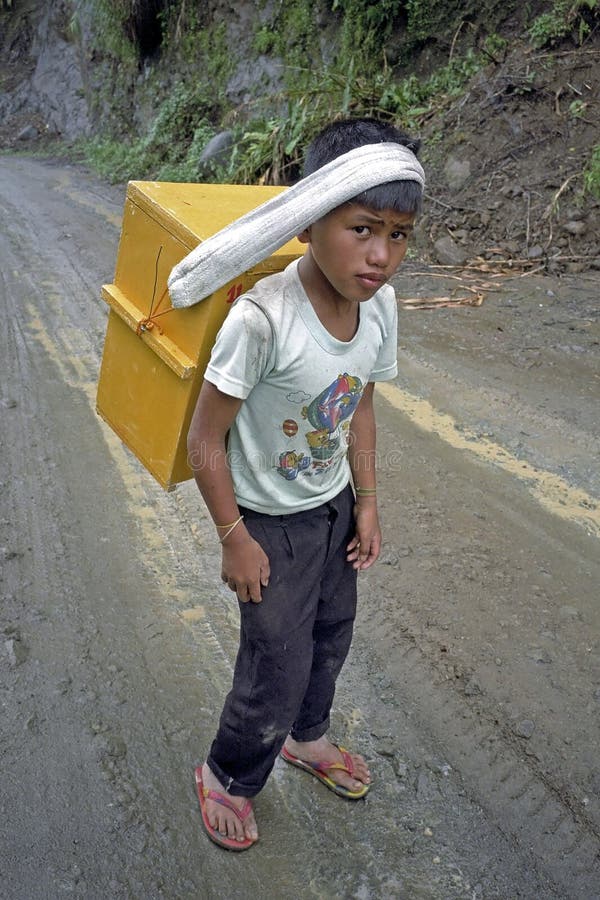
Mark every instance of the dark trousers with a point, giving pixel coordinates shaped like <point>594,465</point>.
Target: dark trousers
<point>292,644</point>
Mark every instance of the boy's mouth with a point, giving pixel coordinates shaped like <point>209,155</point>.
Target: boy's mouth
<point>371,279</point>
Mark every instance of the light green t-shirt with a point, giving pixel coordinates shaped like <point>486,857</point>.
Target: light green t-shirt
<point>300,385</point>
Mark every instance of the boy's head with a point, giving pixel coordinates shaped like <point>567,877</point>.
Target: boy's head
<point>348,134</point>
<point>357,246</point>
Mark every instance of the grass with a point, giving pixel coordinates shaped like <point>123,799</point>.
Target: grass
<point>269,148</point>
<point>591,174</point>
<point>565,17</point>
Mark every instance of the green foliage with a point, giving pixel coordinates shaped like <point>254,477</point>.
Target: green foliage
<point>182,28</point>
<point>185,164</point>
<point>108,19</point>
<point>495,47</point>
<point>355,81</point>
<point>591,174</point>
<point>423,18</point>
<point>366,27</point>
<point>200,46</point>
<point>181,126</point>
<point>177,136</point>
<point>270,149</point>
<point>264,40</point>
<point>412,99</point>
<point>577,108</point>
<point>565,17</point>
<point>109,158</point>
<point>294,33</point>
<point>171,149</point>
<point>432,18</point>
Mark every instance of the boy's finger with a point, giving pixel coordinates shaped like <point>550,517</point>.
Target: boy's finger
<point>242,594</point>
<point>371,557</point>
<point>265,574</point>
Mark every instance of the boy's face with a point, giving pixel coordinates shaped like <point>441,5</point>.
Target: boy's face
<point>354,250</point>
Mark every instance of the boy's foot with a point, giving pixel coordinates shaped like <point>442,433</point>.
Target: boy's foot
<point>229,820</point>
<point>347,774</point>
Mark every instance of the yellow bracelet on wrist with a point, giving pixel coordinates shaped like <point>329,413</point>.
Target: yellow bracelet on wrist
<point>230,529</point>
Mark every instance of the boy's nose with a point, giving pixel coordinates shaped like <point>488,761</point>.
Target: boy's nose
<point>378,253</point>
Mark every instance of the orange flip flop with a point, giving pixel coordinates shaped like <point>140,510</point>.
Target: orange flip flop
<point>320,770</point>
<point>205,794</point>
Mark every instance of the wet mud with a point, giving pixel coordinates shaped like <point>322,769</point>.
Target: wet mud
<point>473,685</point>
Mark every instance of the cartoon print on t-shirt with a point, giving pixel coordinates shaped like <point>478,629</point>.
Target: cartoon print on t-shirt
<point>290,427</point>
<point>290,463</point>
<point>329,414</point>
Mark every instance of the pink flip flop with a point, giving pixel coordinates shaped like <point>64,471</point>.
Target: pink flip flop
<point>205,794</point>
<point>320,770</point>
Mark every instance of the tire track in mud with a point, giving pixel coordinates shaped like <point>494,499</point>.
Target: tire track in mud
<point>563,842</point>
<point>538,818</point>
<point>486,561</point>
<point>38,602</point>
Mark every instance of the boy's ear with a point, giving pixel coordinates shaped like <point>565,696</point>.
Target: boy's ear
<point>304,236</point>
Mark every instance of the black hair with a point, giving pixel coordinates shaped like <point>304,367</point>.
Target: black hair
<point>342,136</point>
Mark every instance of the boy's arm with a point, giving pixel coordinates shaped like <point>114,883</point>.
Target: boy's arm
<point>245,565</point>
<point>365,546</point>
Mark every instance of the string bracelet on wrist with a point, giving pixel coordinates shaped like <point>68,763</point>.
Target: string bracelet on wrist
<point>229,528</point>
<point>365,492</point>
<point>229,524</point>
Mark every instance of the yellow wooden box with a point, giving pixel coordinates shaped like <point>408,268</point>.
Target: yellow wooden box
<point>152,370</point>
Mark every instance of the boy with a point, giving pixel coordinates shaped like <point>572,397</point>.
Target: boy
<point>284,423</point>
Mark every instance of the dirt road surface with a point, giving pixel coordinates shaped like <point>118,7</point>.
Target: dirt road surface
<point>473,685</point>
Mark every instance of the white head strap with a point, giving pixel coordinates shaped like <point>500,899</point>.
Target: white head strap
<point>255,236</point>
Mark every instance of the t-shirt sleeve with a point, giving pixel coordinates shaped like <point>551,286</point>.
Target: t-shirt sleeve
<point>386,364</point>
<point>243,350</point>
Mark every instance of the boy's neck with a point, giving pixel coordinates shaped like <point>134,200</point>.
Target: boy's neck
<point>339,316</point>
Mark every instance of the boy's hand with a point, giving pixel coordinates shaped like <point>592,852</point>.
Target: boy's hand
<point>244,566</point>
<point>365,546</point>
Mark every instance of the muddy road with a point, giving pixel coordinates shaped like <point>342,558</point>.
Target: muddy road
<point>473,685</point>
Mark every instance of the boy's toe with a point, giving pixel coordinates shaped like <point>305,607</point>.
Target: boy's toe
<point>250,828</point>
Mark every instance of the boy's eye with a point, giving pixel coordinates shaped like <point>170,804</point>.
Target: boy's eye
<point>361,229</point>
<point>399,235</point>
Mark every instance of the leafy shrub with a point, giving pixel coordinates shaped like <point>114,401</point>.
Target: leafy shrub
<point>366,27</point>
<point>591,174</point>
<point>269,149</point>
<point>109,27</point>
<point>171,149</point>
<point>565,17</point>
